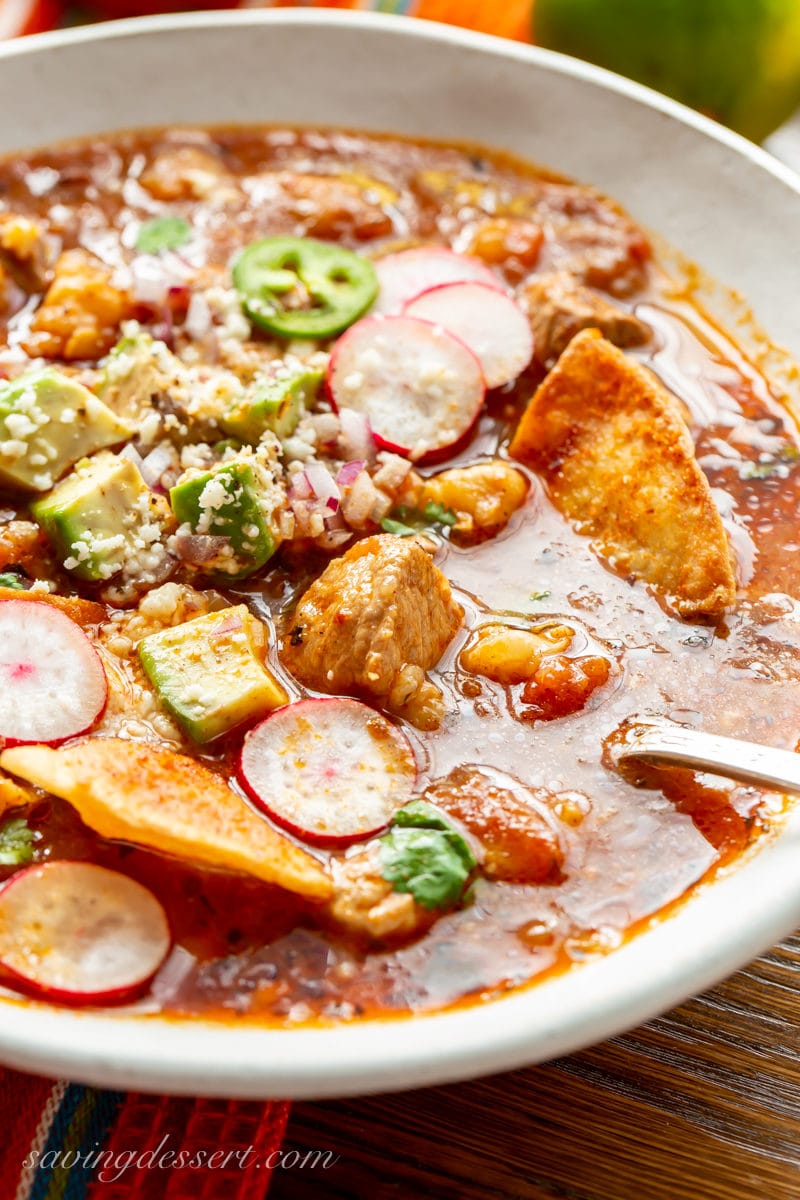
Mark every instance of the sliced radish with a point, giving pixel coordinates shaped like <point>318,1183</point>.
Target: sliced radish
<point>331,771</point>
<point>80,934</point>
<point>18,17</point>
<point>404,275</point>
<point>488,321</point>
<point>420,387</point>
<point>52,682</point>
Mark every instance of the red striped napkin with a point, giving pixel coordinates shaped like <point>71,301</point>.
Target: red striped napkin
<point>64,1141</point>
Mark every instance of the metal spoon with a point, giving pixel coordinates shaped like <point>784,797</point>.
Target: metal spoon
<point>676,746</point>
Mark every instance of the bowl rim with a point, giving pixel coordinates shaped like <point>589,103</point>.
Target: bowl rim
<point>659,967</point>
<point>421,28</point>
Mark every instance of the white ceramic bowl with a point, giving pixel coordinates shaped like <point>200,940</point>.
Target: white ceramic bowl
<point>723,202</point>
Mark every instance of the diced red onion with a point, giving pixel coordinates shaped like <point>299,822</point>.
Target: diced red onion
<point>155,464</point>
<point>154,276</point>
<point>300,488</point>
<point>199,548</point>
<point>356,436</point>
<point>176,970</point>
<point>150,283</point>
<point>321,482</point>
<point>349,472</point>
<point>163,332</point>
<point>15,297</point>
<point>198,317</point>
<point>335,521</point>
<point>132,454</point>
<point>179,294</point>
<point>232,625</point>
<point>332,503</point>
<point>337,537</point>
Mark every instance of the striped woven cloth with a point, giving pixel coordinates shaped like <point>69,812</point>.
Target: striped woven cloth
<point>64,1141</point>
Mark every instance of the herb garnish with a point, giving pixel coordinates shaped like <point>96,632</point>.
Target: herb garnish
<point>163,233</point>
<point>406,521</point>
<point>10,579</point>
<point>425,855</point>
<point>16,843</point>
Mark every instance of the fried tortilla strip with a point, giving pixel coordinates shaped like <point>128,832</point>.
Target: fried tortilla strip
<point>154,797</point>
<point>85,613</point>
<point>13,796</point>
<point>619,460</point>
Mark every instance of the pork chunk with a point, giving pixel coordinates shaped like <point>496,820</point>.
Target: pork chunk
<point>331,207</point>
<point>558,307</point>
<point>80,314</point>
<point>372,624</point>
<point>24,252</point>
<point>619,460</point>
<point>23,544</point>
<point>366,904</point>
<point>183,173</point>
<point>519,839</point>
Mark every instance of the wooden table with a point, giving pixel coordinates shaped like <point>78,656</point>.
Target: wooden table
<point>700,1104</point>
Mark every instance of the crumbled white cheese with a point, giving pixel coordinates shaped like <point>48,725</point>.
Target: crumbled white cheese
<point>19,425</point>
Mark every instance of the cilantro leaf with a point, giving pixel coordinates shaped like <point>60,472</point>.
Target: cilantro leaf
<point>16,843</point>
<point>162,233</point>
<point>425,855</point>
<point>538,595</point>
<point>10,579</point>
<point>406,521</point>
<point>397,527</point>
<point>437,514</point>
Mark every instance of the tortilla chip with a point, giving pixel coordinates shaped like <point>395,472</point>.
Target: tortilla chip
<point>83,612</point>
<point>147,794</point>
<point>13,796</point>
<point>619,461</point>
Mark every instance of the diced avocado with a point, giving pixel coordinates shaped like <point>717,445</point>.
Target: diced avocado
<point>102,517</point>
<point>47,422</point>
<point>230,501</point>
<point>139,370</point>
<point>150,385</point>
<point>276,404</point>
<point>210,674</point>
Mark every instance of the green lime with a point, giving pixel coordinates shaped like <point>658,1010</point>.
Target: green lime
<point>736,60</point>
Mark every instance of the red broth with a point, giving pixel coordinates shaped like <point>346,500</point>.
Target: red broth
<point>254,951</point>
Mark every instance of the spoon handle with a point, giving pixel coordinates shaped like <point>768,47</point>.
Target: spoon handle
<point>746,762</point>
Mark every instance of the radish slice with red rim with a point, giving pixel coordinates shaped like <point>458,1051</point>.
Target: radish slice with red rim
<point>331,771</point>
<point>488,321</point>
<point>77,933</point>
<point>420,387</point>
<point>404,275</point>
<point>52,682</point>
<point>18,17</point>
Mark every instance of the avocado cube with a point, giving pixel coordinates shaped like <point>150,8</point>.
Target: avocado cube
<point>275,404</point>
<point>47,422</point>
<point>138,369</point>
<point>210,674</point>
<point>152,387</point>
<point>228,501</point>
<point>101,518</point>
